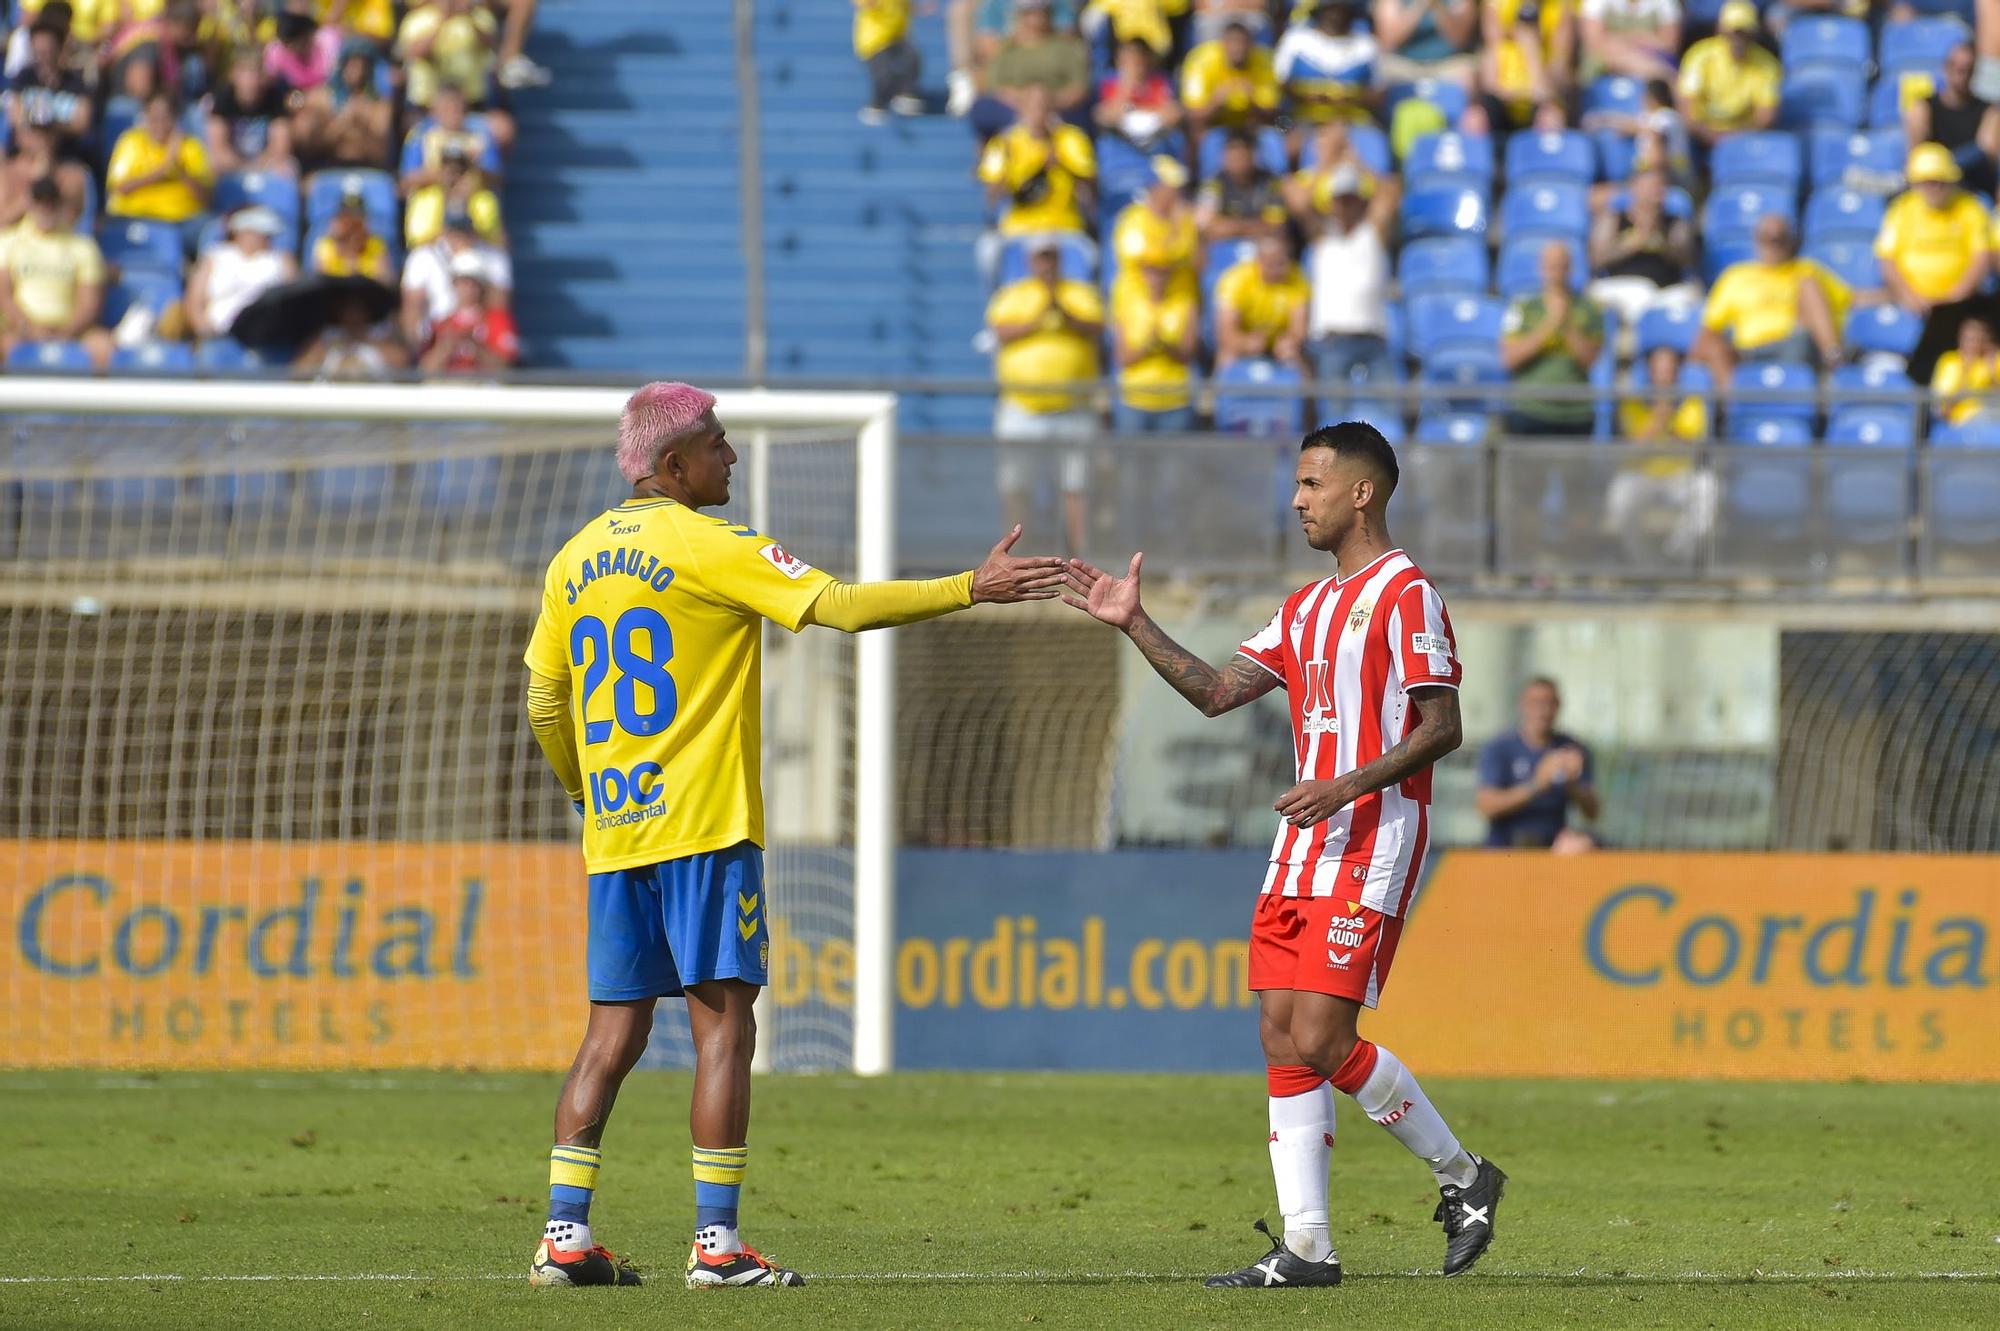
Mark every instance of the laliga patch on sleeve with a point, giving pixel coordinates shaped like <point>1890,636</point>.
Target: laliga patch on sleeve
<point>789,565</point>
<point>1430,642</point>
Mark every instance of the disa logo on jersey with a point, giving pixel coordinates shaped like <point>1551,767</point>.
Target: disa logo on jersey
<point>785,562</point>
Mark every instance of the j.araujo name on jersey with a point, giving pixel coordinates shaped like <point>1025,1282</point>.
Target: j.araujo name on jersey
<point>1349,650</point>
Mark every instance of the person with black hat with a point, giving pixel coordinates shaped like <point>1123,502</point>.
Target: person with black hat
<point>51,280</point>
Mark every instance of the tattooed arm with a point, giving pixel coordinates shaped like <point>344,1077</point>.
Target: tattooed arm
<point>1437,733</point>
<point>1115,601</point>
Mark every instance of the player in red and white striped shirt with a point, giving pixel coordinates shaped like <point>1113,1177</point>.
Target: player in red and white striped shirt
<point>1371,673</point>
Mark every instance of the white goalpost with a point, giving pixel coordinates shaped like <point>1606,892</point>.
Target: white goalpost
<point>271,796</point>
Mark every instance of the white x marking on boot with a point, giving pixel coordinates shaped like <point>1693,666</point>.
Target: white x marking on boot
<point>1270,1270</point>
<point>1474,1215</point>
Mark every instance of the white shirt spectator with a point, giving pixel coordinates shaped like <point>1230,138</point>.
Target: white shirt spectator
<point>428,270</point>
<point>1350,282</point>
<point>236,278</point>
<point>1631,15</point>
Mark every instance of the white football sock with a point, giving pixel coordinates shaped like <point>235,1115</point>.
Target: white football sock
<point>718,1240</point>
<point>1301,1146</point>
<point>1392,1098</point>
<point>568,1235</point>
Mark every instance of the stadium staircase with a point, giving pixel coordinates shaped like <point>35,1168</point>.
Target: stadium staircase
<point>627,225</point>
<point>623,192</point>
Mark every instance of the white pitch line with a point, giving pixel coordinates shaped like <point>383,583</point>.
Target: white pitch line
<point>1038,1277</point>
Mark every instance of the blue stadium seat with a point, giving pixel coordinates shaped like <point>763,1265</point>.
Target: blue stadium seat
<point>1785,430</point>
<point>1918,46</point>
<point>1271,154</point>
<point>1564,156</point>
<point>134,244</point>
<point>1874,377</point>
<point>1385,417</point>
<point>1885,103</point>
<point>1852,261</point>
<point>1843,214</point>
<point>1454,375</point>
<point>1752,380</point>
<point>1221,258</point>
<point>1677,202</point>
<point>1821,97</point>
<point>1668,328</point>
<point>1258,414</point>
<point>1962,10</point>
<point>1964,486</point>
<point>49,358</point>
<point>1451,212</point>
<point>1452,265</point>
<point>1122,171</point>
<point>1732,211</point>
<point>1449,160</point>
<point>120,114</point>
<point>1449,97</point>
<point>1868,479</point>
<point>377,189</point>
<point>271,189</point>
<point>1076,260</point>
<point>1770,158</point>
<point>1441,321</point>
<point>1872,425</point>
<point>1875,155</point>
<point>460,485</point>
<point>154,358</point>
<point>1556,211</point>
<point>1613,94</point>
<point>1883,329</point>
<point>1820,39</point>
<point>1519,271</point>
<point>224,355</point>
<point>1616,153</point>
<point>1370,144</point>
<point>1718,256</point>
<point>1450,428</point>
<point>142,286</point>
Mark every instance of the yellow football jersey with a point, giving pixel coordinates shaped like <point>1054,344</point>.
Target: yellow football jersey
<point>652,612</point>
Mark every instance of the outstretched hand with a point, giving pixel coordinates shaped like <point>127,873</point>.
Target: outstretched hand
<point>1006,577</point>
<point>1101,596</point>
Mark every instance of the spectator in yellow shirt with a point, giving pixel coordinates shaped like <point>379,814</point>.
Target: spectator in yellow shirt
<point>457,185</point>
<point>1042,170</point>
<point>454,42</point>
<point>1527,57</point>
<point>51,280</point>
<point>157,173</point>
<point>1154,332</point>
<point>1047,328</point>
<point>1159,223</point>
<point>1667,488</point>
<point>1966,382</point>
<point>1229,82</point>
<point>1260,307</point>
<point>1933,245</point>
<point>882,42</point>
<point>1729,83</point>
<point>350,249</point>
<point>1773,307</point>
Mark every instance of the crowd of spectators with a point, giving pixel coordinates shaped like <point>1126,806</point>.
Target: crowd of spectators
<point>223,184</point>
<point>1622,219</point>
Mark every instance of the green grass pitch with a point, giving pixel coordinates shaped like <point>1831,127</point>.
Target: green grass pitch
<point>209,1200</point>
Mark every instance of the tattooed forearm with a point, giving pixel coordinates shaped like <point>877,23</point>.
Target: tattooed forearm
<point>1438,733</point>
<point>1212,691</point>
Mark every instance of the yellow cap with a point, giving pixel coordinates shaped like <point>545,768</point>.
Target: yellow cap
<point>1169,171</point>
<point>1932,162</point>
<point>1737,16</point>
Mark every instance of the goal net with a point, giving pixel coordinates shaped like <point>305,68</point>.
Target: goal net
<point>269,797</point>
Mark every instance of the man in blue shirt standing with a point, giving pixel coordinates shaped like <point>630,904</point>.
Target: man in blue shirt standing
<point>1529,779</point>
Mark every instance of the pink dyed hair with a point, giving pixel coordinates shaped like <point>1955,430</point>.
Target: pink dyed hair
<point>653,416</point>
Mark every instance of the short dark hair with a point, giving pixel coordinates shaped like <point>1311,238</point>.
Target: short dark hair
<point>1239,138</point>
<point>1660,91</point>
<point>1358,439</point>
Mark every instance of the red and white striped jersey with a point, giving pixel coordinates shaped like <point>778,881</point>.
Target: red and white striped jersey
<point>1349,650</point>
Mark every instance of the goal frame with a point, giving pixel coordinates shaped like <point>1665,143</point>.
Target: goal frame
<point>871,416</point>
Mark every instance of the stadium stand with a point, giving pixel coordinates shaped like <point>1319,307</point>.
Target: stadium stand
<point>222,112</point>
